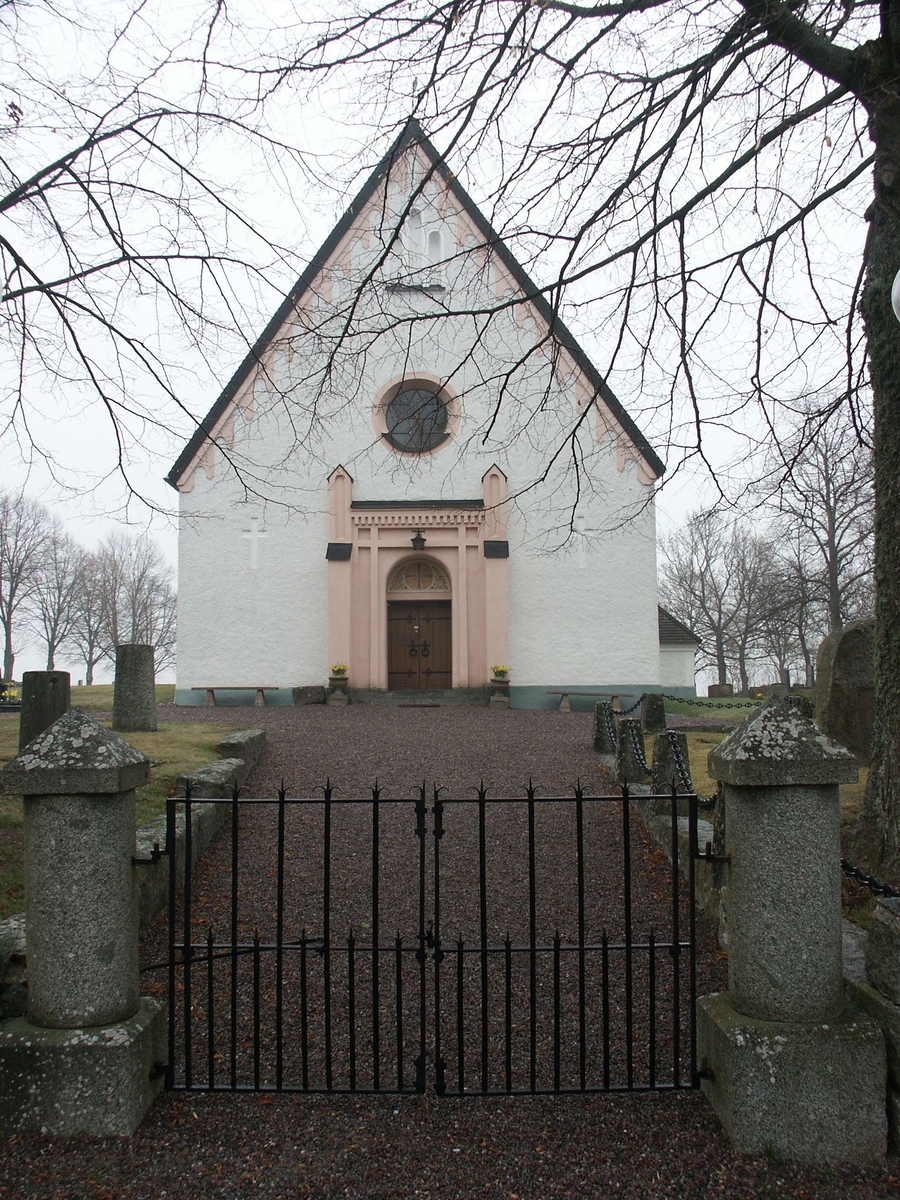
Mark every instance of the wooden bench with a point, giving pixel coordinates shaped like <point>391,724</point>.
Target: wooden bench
<point>209,701</point>
<point>564,706</point>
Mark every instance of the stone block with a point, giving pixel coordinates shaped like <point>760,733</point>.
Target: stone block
<point>886,1015</point>
<point>776,746</point>
<point>308,695</point>
<point>499,699</point>
<point>629,765</point>
<point>813,1092</point>
<point>215,780</point>
<point>664,768</point>
<point>247,744</point>
<point>604,732</point>
<point>337,697</point>
<point>845,687</point>
<point>45,697</point>
<point>75,755</point>
<point>81,912</point>
<point>134,691</point>
<point>719,691</point>
<point>653,713</point>
<point>97,1082</point>
<point>883,948</point>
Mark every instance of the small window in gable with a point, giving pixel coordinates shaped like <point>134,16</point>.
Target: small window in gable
<point>414,239</point>
<point>435,254</point>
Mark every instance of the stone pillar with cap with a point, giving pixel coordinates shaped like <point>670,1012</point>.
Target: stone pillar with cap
<point>789,1069</point>
<point>86,1056</point>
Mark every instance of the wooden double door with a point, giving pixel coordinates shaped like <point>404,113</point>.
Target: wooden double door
<point>419,645</point>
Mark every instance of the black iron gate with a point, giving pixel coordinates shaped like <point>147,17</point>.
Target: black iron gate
<point>477,946</point>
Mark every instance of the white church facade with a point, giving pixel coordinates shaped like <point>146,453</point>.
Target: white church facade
<point>417,472</point>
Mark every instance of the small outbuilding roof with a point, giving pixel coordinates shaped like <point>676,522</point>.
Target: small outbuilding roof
<point>672,632</point>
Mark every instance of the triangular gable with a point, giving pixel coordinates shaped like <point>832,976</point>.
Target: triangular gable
<point>218,422</point>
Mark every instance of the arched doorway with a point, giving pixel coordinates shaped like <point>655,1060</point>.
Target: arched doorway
<point>420,632</point>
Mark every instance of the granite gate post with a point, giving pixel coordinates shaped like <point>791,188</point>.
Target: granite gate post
<point>789,1068</point>
<point>134,693</point>
<point>85,1058</point>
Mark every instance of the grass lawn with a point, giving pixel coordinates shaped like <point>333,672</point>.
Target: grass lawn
<point>172,750</point>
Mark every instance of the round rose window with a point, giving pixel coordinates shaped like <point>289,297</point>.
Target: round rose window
<point>416,421</point>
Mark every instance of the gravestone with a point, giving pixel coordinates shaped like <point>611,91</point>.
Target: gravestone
<point>134,695</point>
<point>45,697</point>
<point>719,691</point>
<point>845,687</point>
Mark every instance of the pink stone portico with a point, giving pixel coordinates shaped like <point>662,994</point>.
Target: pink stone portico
<point>380,536</point>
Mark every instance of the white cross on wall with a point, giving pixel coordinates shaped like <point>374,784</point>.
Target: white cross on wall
<point>254,533</point>
<point>584,532</point>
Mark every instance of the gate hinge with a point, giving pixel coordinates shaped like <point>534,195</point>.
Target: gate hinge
<point>155,855</point>
<point>708,856</point>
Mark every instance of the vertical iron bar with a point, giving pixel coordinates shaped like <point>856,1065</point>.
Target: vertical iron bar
<point>629,999</point>
<point>652,1008</point>
<point>676,950</point>
<point>604,967</point>
<point>304,1014</point>
<point>438,953</point>
<point>351,1004</point>
<point>460,1018</point>
<point>210,1021</point>
<point>173,899</point>
<point>326,932</point>
<point>376,1002</point>
<point>507,947</point>
<point>279,946</point>
<point>398,977</point>
<point>482,896</point>
<point>420,954</point>
<point>556,1012</point>
<point>188,945</point>
<point>582,1023</point>
<point>234,935</point>
<point>532,942</point>
<point>692,935</point>
<point>256,1047</point>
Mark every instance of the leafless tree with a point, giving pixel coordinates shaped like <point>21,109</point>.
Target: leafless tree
<point>697,587</point>
<point>822,491</point>
<point>25,532</point>
<point>88,634</point>
<point>53,605</point>
<point>135,598</point>
<point>677,172</point>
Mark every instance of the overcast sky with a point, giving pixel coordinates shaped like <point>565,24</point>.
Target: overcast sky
<point>292,202</point>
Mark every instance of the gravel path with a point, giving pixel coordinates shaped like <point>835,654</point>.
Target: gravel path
<point>374,1147</point>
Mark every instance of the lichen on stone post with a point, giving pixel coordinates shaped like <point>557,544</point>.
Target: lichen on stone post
<point>789,1069</point>
<point>83,1057</point>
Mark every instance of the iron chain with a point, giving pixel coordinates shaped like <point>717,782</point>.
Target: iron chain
<point>679,761</point>
<point>638,748</point>
<point>875,886</point>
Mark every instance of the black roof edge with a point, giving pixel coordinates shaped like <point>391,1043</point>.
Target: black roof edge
<point>680,624</point>
<point>412,133</point>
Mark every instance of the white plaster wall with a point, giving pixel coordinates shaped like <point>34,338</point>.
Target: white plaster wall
<point>676,665</point>
<point>582,606</point>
